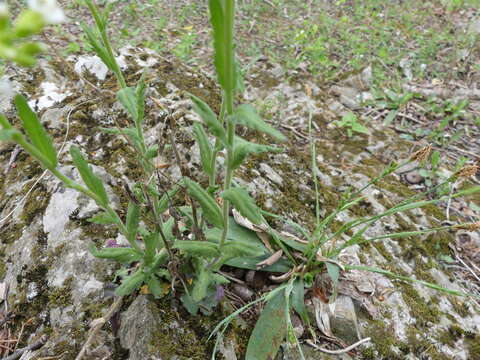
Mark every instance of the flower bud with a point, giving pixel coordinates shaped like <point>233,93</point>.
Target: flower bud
<point>29,23</point>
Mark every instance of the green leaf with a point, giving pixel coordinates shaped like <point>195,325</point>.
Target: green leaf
<point>201,285</point>
<point>92,181</point>
<point>209,118</point>
<point>97,46</point>
<point>121,254</point>
<point>249,263</point>
<point>333,271</point>
<point>359,128</point>
<point>128,99</point>
<point>132,221</point>
<point>269,331</point>
<point>198,248</point>
<point>237,233</point>
<point>103,218</point>
<point>165,199</point>
<point>223,48</point>
<point>151,242</point>
<point>152,151</point>
<point>234,249</point>
<point>131,283</point>
<point>206,152</point>
<point>247,115</point>
<point>9,134</point>
<point>35,131</point>
<point>211,210</point>
<point>140,97</point>
<point>189,304</point>
<point>298,299</point>
<point>154,286</point>
<point>242,201</point>
<point>5,123</point>
<point>243,148</point>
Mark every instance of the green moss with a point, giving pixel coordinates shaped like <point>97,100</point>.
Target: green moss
<point>424,312</point>
<point>62,296</point>
<point>473,345</point>
<point>380,246</point>
<point>460,306</point>
<point>3,269</point>
<point>383,341</point>
<point>451,335</point>
<point>419,343</point>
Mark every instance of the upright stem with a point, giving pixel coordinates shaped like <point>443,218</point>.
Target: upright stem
<point>213,164</point>
<point>229,92</point>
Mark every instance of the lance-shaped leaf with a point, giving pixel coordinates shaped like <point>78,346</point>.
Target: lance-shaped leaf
<point>103,218</point>
<point>152,151</point>
<point>247,115</point>
<point>189,304</point>
<point>128,99</point>
<point>233,250</point>
<point>151,241</point>
<point>242,201</point>
<point>223,46</point>
<point>133,219</point>
<point>209,118</point>
<point>140,97</point>
<point>198,248</point>
<point>35,131</point>
<point>298,299</point>
<point>211,210</point>
<point>131,283</point>
<point>243,148</point>
<point>155,287</point>
<point>92,181</point>
<point>120,254</point>
<point>206,152</point>
<point>5,123</point>
<point>199,291</point>
<point>269,331</point>
<point>97,46</point>
<point>166,198</point>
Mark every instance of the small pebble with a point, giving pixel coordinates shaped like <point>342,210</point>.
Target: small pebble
<point>243,292</point>
<point>414,177</point>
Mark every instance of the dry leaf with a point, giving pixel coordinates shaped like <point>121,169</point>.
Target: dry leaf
<point>270,260</point>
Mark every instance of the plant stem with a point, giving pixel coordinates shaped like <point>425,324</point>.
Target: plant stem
<point>213,164</point>
<point>229,92</point>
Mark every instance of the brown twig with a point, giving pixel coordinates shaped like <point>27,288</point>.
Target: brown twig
<point>35,346</point>
<point>98,325</point>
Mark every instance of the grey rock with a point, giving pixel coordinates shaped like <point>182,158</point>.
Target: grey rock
<point>474,26</point>
<point>344,322</point>
<point>271,174</point>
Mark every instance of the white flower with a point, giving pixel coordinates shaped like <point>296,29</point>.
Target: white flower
<point>51,12</point>
<point>6,89</point>
<point>3,9</point>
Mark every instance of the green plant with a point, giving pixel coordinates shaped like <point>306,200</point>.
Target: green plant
<point>14,43</point>
<point>159,250</point>
<point>351,125</point>
<point>184,49</point>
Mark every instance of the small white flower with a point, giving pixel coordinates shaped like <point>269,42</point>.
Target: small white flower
<point>3,9</point>
<point>6,89</point>
<point>51,12</point>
